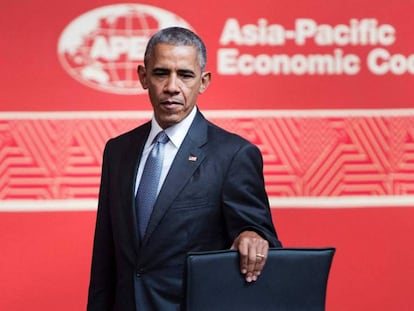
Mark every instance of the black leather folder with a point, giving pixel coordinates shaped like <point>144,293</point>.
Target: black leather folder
<point>292,279</point>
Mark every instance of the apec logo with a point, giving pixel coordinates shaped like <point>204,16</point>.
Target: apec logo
<point>102,48</point>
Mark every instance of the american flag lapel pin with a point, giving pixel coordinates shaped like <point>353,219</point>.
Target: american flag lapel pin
<point>192,158</point>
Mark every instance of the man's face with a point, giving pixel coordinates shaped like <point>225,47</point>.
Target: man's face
<point>174,79</point>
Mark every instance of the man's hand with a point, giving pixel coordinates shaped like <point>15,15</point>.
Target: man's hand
<point>253,251</point>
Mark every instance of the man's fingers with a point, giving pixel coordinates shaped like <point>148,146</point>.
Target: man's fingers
<point>257,255</point>
<point>261,257</point>
<point>251,264</point>
<point>244,259</point>
<point>253,251</point>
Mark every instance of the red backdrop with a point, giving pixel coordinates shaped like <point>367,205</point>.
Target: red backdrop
<point>321,87</point>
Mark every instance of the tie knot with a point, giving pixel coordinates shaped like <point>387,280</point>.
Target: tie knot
<point>161,137</point>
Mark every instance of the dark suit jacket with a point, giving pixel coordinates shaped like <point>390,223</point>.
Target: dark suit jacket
<point>203,205</point>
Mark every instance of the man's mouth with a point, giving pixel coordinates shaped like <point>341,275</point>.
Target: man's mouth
<point>170,104</point>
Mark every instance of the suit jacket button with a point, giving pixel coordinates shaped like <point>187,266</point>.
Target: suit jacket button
<point>140,272</point>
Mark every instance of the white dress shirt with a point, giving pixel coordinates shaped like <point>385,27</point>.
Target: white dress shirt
<point>176,134</point>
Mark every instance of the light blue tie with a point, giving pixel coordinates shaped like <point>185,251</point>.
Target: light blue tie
<point>148,186</point>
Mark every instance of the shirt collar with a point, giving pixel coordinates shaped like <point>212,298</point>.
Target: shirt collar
<point>176,133</point>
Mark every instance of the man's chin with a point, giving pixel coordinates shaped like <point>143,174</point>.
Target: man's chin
<point>169,120</point>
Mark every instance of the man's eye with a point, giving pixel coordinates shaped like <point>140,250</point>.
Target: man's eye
<point>187,75</point>
<point>160,73</point>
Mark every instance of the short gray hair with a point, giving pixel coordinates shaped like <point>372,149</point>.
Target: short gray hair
<point>178,36</point>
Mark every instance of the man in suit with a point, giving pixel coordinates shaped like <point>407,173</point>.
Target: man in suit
<point>211,192</point>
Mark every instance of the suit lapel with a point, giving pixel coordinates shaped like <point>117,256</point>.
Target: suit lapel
<point>188,158</point>
<point>129,168</point>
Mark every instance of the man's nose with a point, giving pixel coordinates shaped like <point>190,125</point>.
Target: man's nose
<point>172,84</point>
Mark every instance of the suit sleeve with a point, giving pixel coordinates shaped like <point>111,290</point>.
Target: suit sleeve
<point>102,282</point>
<point>246,205</point>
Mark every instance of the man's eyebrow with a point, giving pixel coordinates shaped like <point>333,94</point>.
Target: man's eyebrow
<point>160,69</point>
<point>179,71</point>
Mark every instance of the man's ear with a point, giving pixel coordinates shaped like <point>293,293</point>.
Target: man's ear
<point>142,74</point>
<point>205,81</point>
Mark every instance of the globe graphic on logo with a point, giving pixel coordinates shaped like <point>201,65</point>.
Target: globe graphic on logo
<point>103,47</point>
